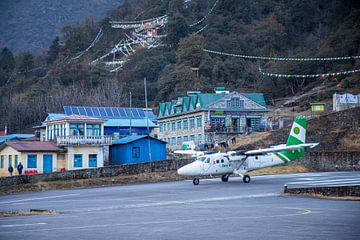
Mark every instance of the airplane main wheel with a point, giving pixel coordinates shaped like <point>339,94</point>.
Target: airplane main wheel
<point>225,178</point>
<point>246,179</point>
<point>196,181</point>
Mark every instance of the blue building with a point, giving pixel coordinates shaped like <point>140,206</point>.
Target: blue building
<point>135,149</point>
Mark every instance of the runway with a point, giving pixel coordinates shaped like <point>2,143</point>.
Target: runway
<point>180,210</point>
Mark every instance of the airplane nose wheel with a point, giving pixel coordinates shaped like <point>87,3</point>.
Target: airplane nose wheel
<point>196,181</point>
<point>225,178</point>
<point>246,179</point>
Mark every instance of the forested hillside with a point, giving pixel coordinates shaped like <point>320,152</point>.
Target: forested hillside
<point>31,25</point>
<point>33,85</point>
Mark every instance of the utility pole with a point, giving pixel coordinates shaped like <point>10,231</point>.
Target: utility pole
<point>130,116</point>
<point>147,118</point>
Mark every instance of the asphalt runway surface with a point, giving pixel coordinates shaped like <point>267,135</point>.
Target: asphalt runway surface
<point>180,210</point>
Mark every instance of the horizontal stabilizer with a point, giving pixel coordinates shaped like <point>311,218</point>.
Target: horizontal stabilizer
<point>280,148</point>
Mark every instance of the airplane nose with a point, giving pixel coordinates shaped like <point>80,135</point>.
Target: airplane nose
<point>181,171</point>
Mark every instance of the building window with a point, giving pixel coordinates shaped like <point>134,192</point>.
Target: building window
<point>31,161</point>
<point>179,125</point>
<point>173,126</point>
<point>136,152</point>
<point>192,138</point>
<point>93,130</point>
<point>10,160</point>
<point>16,160</point>
<point>178,140</point>
<point>235,102</point>
<point>186,138</point>
<point>199,122</point>
<point>2,161</point>
<point>77,129</point>
<point>169,141</point>
<point>173,141</point>
<point>192,123</point>
<point>168,126</point>
<point>200,138</point>
<point>92,160</point>
<point>78,160</point>
<point>186,124</point>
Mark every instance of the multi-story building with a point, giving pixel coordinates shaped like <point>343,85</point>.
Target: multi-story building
<point>208,118</point>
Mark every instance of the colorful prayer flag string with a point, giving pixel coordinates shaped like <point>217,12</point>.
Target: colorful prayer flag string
<point>281,58</point>
<point>280,75</point>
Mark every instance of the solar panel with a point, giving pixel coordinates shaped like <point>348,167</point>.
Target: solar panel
<point>108,112</point>
<point>89,112</point>
<point>96,112</point>
<point>67,110</point>
<point>122,112</point>
<point>102,112</point>
<point>82,110</point>
<point>75,110</point>
<point>141,112</point>
<point>116,112</point>
<point>134,113</point>
<point>128,112</point>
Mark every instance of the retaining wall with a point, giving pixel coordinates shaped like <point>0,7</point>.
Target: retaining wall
<point>109,171</point>
<point>338,191</point>
<point>332,161</point>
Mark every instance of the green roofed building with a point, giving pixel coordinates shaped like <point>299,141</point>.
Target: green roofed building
<point>208,118</point>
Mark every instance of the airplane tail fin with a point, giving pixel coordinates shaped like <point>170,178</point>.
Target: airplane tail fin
<point>297,136</point>
<point>298,132</point>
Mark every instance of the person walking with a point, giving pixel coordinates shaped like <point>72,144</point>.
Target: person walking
<point>10,169</point>
<point>20,168</point>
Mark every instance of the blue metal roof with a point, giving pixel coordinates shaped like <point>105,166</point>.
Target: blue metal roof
<point>131,139</point>
<point>15,136</point>
<point>54,116</point>
<point>125,122</point>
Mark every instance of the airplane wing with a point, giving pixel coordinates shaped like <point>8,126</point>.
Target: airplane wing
<point>189,152</point>
<point>280,148</point>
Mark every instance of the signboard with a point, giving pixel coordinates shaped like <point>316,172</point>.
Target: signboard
<point>348,98</point>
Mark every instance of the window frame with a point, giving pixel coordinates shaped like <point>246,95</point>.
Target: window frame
<point>30,163</point>
<point>92,159</point>
<point>78,160</point>
<point>135,152</point>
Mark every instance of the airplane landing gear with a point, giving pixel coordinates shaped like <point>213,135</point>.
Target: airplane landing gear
<point>246,179</point>
<point>225,178</point>
<point>196,181</point>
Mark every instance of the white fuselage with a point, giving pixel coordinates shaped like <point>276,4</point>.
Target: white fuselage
<point>227,163</point>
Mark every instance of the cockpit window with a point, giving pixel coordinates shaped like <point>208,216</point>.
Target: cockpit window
<point>201,159</point>
<point>207,160</point>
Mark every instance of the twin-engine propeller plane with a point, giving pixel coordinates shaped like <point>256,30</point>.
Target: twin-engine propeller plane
<point>242,162</point>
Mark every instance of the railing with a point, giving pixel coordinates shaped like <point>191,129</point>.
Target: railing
<point>84,140</point>
<point>222,129</point>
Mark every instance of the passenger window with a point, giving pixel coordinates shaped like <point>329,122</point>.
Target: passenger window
<point>222,160</point>
<point>217,161</point>
<point>256,158</point>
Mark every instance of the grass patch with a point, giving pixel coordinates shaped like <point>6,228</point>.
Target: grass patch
<point>284,169</point>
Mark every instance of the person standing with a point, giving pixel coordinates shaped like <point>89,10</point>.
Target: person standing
<point>20,168</point>
<point>10,169</point>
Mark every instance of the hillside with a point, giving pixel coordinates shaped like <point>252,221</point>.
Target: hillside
<point>32,25</point>
<point>33,85</point>
<point>338,131</point>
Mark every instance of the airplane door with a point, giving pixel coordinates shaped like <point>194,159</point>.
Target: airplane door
<point>206,165</point>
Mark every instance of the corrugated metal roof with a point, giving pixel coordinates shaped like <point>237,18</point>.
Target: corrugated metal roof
<point>125,122</point>
<point>54,116</point>
<point>131,139</point>
<point>33,146</point>
<point>15,136</point>
<point>256,97</point>
<point>77,118</point>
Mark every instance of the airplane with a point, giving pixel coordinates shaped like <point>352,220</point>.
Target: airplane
<point>242,162</point>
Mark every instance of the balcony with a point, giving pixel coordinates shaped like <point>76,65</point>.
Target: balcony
<point>84,140</point>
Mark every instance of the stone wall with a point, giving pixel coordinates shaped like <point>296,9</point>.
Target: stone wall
<point>338,191</point>
<point>109,171</point>
<point>332,161</point>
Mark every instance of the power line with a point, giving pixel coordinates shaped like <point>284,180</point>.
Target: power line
<point>316,75</point>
